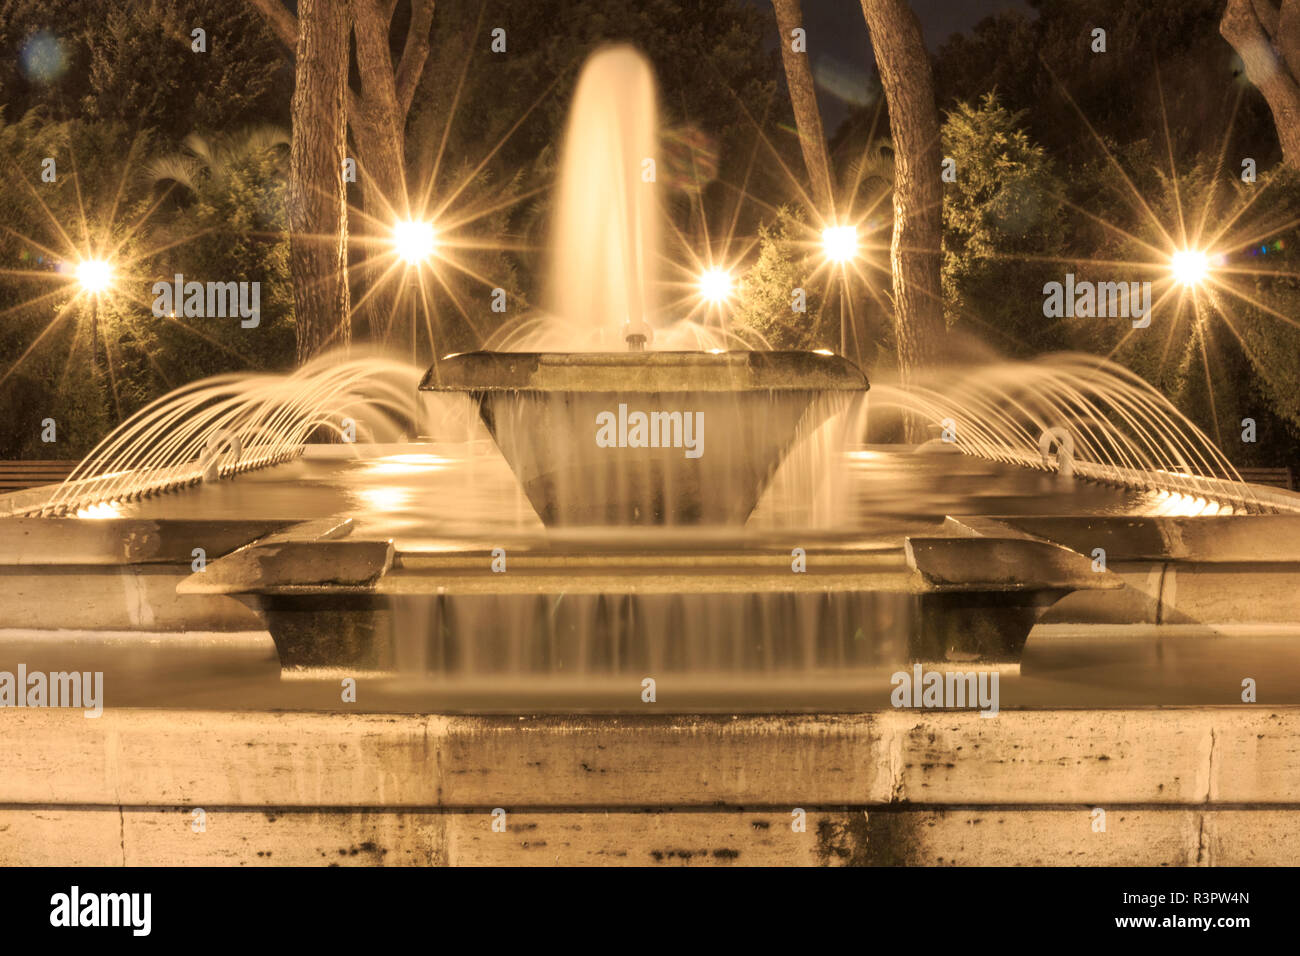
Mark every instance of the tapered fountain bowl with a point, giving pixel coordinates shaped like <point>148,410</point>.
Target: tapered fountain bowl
<point>657,438</point>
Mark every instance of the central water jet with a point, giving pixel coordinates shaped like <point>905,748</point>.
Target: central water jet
<point>618,438</point>
<point>605,238</point>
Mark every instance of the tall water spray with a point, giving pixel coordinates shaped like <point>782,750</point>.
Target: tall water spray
<point>606,227</point>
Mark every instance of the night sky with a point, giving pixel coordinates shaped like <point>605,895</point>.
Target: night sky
<point>840,48</point>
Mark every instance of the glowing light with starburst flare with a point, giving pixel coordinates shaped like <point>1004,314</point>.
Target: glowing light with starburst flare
<point>716,285</point>
<point>840,243</point>
<point>414,241</point>
<point>1190,267</point>
<point>94,275</point>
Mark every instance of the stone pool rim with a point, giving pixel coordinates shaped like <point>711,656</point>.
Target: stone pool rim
<point>650,371</point>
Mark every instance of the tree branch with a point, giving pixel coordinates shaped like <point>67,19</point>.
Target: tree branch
<point>414,54</point>
<point>1266,67</point>
<point>1286,35</point>
<point>807,115</point>
<point>1242,28</point>
<point>283,24</point>
<point>370,26</point>
<point>1267,15</point>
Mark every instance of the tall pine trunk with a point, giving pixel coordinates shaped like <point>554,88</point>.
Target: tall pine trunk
<point>915,250</point>
<point>807,117</point>
<point>317,196</point>
<point>377,114</point>
<point>379,131</point>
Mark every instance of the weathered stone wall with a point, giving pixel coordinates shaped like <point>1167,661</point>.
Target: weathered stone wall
<point>1180,786</point>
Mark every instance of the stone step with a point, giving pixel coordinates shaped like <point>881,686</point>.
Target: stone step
<point>1203,757</point>
<point>123,598</point>
<point>123,541</point>
<point>1187,593</point>
<point>956,836</point>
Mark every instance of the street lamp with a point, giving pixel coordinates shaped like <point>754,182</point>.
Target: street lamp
<point>414,241</point>
<point>1190,267</point>
<point>94,275</point>
<point>716,286</point>
<point>840,244</point>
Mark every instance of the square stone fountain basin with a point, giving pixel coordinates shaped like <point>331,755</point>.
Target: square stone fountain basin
<point>634,438</point>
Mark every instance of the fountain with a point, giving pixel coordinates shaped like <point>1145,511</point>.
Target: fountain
<point>646,462</point>
<point>640,496</point>
<point>606,520</point>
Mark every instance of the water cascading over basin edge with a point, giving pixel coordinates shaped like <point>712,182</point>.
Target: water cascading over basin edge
<point>619,438</point>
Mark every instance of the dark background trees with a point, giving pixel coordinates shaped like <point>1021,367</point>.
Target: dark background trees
<point>83,84</point>
<point>1049,138</point>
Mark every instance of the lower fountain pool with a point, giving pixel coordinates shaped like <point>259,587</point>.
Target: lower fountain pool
<point>437,494</point>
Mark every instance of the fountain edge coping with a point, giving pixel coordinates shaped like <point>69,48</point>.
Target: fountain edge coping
<point>1169,756</point>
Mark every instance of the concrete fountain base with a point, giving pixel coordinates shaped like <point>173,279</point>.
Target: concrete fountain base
<point>299,776</point>
<point>1210,786</point>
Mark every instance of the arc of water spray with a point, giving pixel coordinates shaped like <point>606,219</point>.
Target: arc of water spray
<point>230,424</point>
<point>1108,424</point>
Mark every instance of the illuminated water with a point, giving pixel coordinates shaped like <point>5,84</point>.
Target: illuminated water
<point>605,241</point>
<point>607,228</point>
<point>1008,437</point>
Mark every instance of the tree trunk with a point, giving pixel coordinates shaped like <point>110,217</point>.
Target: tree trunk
<point>317,196</point>
<point>915,251</point>
<point>807,116</point>
<point>1267,39</point>
<point>379,132</point>
<point>382,170</point>
<point>377,115</point>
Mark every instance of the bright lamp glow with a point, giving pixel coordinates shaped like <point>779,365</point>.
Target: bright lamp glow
<point>94,275</point>
<point>414,240</point>
<point>840,243</point>
<point>716,285</point>
<point>1190,266</point>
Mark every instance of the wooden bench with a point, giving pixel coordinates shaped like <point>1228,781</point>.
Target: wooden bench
<point>17,475</point>
<point>1276,477</point>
